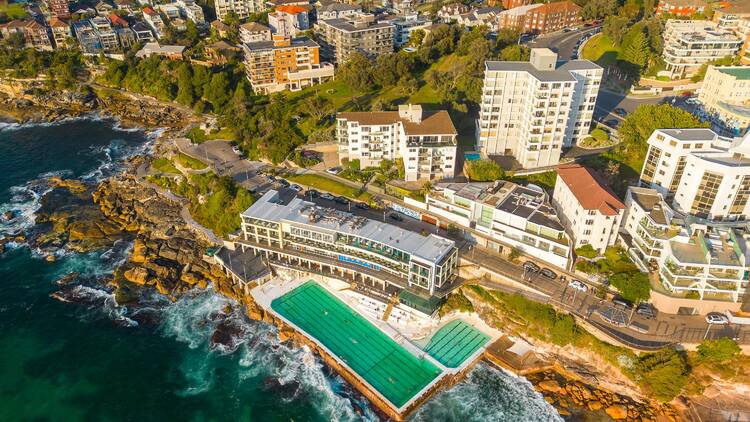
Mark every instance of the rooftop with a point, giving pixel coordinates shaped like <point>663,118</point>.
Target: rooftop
<point>650,201</point>
<point>269,45</point>
<point>697,134</point>
<point>432,123</point>
<point>431,248</point>
<point>349,25</point>
<point>739,72</point>
<point>589,190</point>
<point>560,74</point>
<point>254,27</point>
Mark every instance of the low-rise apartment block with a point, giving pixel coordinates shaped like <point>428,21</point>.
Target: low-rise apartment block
<point>425,140</point>
<point>725,94</point>
<point>690,44</point>
<point>588,209</point>
<point>242,8</point>
<point>58,8</point>
<point>61,31</point>
<point>339,38</point>
<point>35,34</point>
<point>540,18</point>
<point>254,32</point>
<point>288,21</point>
<point>683,8</point>
<point>517,216</point>
<point>107,36</point>
<point>154,20</point>
<point>531,110</point>
<point>337,10</point>
<point>404,26</point>
<point>384,259</point>
<point>284,63</point>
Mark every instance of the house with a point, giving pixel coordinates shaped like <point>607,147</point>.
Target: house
<point>87,38</point>
<point>425,140</point>
<point>103,9</point>
<point>336,10</point>
<point>254,32</point>
<point>588,209</point>
<point>154,20</point>
<point>142,32</point>
<point>107,36</point>
<point>288,21</point>
<point>37,36</point>
<point>451,12</point>
<point>61,31</point>
<point>220,27</point>
<point>172,52</point>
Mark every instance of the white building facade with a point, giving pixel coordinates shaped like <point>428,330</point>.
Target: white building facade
<point>689,44</point>
<point>426,141</point>
<point>243,8</point>
<point>531,110</point>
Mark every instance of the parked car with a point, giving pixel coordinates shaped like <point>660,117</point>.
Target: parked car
<point>530,267</point>
<point>617,300</point>
<point>692,101</point>
<point>716,318</point>
<point>612,123</point>
<point>548,273</point>
<point>313,193</point>
<point>334,170</point>
<point>362,206</point>
<point>578,285</point>
<point>647,310</point>
<point>341,200</point>
<point>296,188</point>
<point>328,197</point>
<point>396,216</point>
<point>283,183</point>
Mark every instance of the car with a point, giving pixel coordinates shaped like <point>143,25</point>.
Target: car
<point>341,200</point>
<point>566,30</point>
<point>692,101</point>
<point>646,310</point>
<point>271,178</point>
<point>328,196</point>
<point>283,183</point>
<point>612,123</point>
<point>296,188</point>
<point>716,318</point>
<point>530,267</point>
<point>617,300</point>
<point>236,150</point>
<point>620,111</point>
<point>548,273</point>
<point>578,285</point>
<point>334,170</point>
<point>362,206</point>
<point>313,193</point>
<point>395,216</point>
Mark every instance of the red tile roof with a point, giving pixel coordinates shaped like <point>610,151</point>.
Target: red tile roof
<point>589,190</point>
<point>291,9</point>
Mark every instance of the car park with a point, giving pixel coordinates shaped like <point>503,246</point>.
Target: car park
<point>546,272</point>
<point>328,196</point>
<point>530,267</point>
<point>395,216</point>
<point>646,310</point>
<point>716,318</point>
<point>578,285</point>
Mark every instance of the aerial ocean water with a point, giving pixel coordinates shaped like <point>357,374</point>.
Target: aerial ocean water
<point>92,360</point>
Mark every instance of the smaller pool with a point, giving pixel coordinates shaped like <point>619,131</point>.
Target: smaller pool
<point>472,156</point>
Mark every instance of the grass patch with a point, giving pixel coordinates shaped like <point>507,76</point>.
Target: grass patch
<point>189,162</point>
<point>329,185</point>
<point>601,49</point>
<point>164,165</point>
<point>545,180</point>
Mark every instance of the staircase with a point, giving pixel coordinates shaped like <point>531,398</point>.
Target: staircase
<point>387,312</point>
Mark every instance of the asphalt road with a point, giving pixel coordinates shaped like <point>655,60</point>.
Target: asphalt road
<point>563,43</point>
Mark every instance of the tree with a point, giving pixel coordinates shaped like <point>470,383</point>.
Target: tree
<point>597,9</point>
<point>185,90</point>
<point>484,171</point>
<point>663,373</point>
<point>587,251</point>
<point>615,27</point>
<point>357,72</point>
<point>634,286</point>
<point>218,91</point>
<point>400,168</point>
<point>515,53</point>
<point>416,38</point>
<point>426,189</point>
<point>563,330</point>
<point>636,52</point>
<point>718,351</point>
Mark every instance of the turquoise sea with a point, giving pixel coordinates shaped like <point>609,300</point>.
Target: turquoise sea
<point>93,361</point>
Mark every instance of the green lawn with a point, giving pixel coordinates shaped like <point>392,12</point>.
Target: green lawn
<point>601,49</point>
<point>13,11</point>
<point>164,165</point>
<point>328,185</point>
<point>189,162</point>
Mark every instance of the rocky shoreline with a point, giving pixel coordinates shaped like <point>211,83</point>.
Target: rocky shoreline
<point>167,253</point>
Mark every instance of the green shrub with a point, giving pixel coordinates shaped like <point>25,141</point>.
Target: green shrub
<point>456,302</point>
<point>663,373</point>
<point>718,351</point>
<point>164,165</point>
<point>484,171</point>
<point>189,162</point>
<point>587,251</point>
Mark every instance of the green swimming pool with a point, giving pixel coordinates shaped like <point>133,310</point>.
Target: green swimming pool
<point>384,364</point>
<point>453,343</point>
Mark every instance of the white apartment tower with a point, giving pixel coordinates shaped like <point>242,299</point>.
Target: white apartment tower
<point>243,8</point>
<point>531,110</point>
<point>425,140</point>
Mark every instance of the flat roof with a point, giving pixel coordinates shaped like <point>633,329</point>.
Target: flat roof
<point>348,26</point>
<point>561,73</point>
<point>384,364</point>
<point>589,190</point>
<point>739,72</point>
<point>692,134</point>
<point>430,248</point>
<point>268,45</point>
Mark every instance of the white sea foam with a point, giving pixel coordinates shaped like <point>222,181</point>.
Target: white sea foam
<point>24,202</point>
<point>10,126</point>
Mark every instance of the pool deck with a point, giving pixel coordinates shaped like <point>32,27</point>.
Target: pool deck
<point>265,295</point>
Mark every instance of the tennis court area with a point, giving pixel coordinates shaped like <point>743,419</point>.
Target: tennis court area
<point>452,344</point>
<point>397,374</point>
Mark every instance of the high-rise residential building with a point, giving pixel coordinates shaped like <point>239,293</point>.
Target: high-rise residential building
<point>690,44</point>
<point>531,110</point>
<point>242,8</point>
<point>590,211</point>
<point>725,94</point>
<point>339,38</point>
<point>684,8</point>
<point>425,140</point>
<point>284,63</point>
<point>705,175</point>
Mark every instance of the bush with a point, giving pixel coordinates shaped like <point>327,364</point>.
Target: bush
<point>164,165</point>
<point>484,171</point>
<point>663,373</point>
<point>456,302</point>
<point>718,351</point>
<point>600,135</point>
<point>189,162</point>
<point>587,251</point>
<point>634,286</point>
